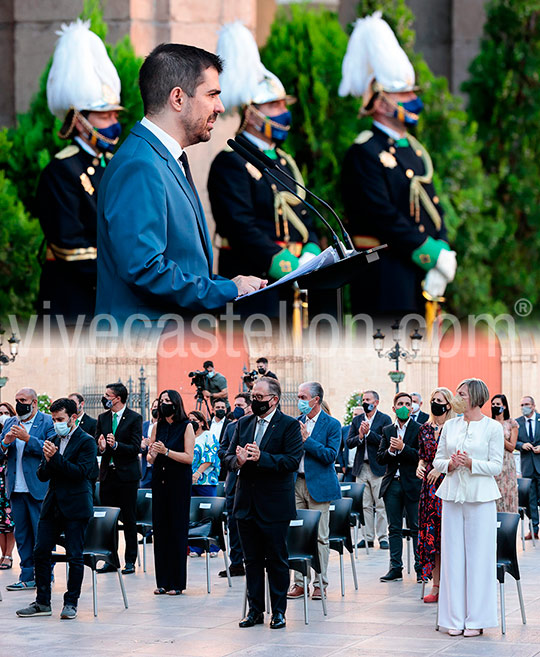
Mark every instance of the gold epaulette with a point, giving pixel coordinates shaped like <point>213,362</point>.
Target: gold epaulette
<point>364,136</point>
<point>68,151</point>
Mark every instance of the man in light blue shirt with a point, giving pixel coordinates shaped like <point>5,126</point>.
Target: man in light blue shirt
<point>21,444</point>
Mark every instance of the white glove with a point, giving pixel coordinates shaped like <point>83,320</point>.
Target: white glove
<point>447,264</point>
<point>305,257</point>
<point>435,284</point>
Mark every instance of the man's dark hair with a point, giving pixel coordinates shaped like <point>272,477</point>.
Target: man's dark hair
<point>400,395</point>
<point>246,396</point>
<point>207,363</point>
<point>375,394</point>
<point>215,401</point>
<point>262,360</point>
<point>119,390</point>
<point>64,404</point>
<point>172,65</point>
<point>78,395</point>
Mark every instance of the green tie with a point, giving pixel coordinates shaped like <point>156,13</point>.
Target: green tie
<point>271,153</point>
<point>114,422</point>
<point>402,143</point>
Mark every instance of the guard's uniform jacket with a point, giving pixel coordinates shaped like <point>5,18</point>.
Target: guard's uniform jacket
<point>66,205</point>
<point>389,199</point>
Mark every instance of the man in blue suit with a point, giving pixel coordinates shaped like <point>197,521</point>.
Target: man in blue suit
<point>154,250</point>
<point>21,444</point>
<point>316,481</point>
<point>528,443</point>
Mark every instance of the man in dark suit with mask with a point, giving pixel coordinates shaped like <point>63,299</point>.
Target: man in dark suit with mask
<point>266,448</point>
<point>67,465</point>
<point>528,443</point>
<point>400,486</point>
<point>119,436</point>
<point>365,434</point>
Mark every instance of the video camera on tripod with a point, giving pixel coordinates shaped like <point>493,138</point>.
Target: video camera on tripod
<point>198,379</point>
<point>250,377</point>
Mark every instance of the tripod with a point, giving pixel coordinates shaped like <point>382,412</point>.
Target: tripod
<point>200,400</point>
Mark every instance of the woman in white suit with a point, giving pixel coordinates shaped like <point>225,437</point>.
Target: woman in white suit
<point>470,453</point>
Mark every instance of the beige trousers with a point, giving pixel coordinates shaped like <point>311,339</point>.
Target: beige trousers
<point>305,501</point>
<point>371,497</point>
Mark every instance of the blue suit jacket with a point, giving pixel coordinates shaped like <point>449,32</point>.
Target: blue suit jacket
<point>41,430</point>
<point>320,454</point>
<point>530,462</point>
<point>154,250</point>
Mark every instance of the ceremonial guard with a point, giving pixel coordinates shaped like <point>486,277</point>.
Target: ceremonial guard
<point>83,91</point>
<point>262,228</point>
<point>387,182</point>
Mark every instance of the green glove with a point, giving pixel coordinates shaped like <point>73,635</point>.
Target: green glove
<point>282,263</point>
<point>311,247</point>
<point>425,256</point>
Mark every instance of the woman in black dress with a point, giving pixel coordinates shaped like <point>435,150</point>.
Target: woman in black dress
<point>171,453</point>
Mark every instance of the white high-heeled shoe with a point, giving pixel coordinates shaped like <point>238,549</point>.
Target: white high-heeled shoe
<point>471,632</point>
<point>455,632</point>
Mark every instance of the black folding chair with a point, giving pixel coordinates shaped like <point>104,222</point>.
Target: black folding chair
<point>220,489</point>
<point>340,536</point>
<point>97,500</point>
<point>356,493</point>
<point>144,519</point>
<point>507,561</point>
<point>101,544</point>
<point>524,507</point>
<point>303,548</point>
<point>211,508</point>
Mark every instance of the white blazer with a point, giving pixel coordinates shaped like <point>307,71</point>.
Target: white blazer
<point>484,443</point>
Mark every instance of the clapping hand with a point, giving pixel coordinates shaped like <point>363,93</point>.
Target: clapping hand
<point>253,451</point>
<point>102,443</point>
<point>20,433</point>
<point>303,431</point>
<point>158,447</point>
<point>241,455</point>
<point>396,444</point>
<point>111,441</point>
<point>49,450</point>
<point>364,429</point>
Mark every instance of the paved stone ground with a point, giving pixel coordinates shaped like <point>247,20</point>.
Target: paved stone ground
<point>378,619</point>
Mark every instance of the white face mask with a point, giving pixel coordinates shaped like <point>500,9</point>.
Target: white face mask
<point>3,418</point>
<point>415,407</point>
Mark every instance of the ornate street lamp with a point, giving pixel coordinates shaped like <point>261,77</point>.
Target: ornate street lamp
<point>6,359</point>
<point>397,351</point>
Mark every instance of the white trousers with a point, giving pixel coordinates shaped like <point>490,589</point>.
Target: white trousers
<point>371,498</point>
<point>468,589</point>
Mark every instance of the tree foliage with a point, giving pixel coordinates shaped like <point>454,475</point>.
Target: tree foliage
<point>354,400</point>
<point>27,148</point>
<point>503,89</point>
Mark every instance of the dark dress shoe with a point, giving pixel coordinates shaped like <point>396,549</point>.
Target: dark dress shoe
<point>252,619</point>
<point>362,544</point>
<point>393,575</point>
<point>128,569</point>
<point>278,621</point>
<point>106,569</point>
<point>234,571</point>
<point>384,545</point>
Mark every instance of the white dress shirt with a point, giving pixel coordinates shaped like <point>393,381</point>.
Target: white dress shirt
<point>20,480</point>
<point>64,441</point>
<point>165,138</point>
<point>483,441</point>
<point>400,434</point>
<point>310,425</point>
<point>370,422</point>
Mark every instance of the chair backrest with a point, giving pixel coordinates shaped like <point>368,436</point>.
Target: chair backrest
<point>524,489</point>
<point>340,527</point>
<point>97,501</point>
<point>212,508</point>
<point>102,531</point>
<point>144,506</point>
<point>507,526</point>
<point>302,536</point>
<point>220,489</point>
<point>356,493</point>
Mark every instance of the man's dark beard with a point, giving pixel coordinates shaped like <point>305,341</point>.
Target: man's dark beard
<point>197,129</point>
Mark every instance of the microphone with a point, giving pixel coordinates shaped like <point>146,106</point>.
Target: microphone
<point>272,164</point>
<point>246,155</point>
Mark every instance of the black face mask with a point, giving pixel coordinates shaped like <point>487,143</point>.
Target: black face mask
<point>107,403</point>
<point>438,409</point>
<point>23,409</point>
<point>496,410</point>
<point>220,413</point>
<point>154,413</point>
<point>260,407</point>
<point>167,409</point>
<point>261,370</point>
<point>368,407</point>
<point>195,425</point>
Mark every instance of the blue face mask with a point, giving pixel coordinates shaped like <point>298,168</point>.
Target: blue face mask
<point>238,412</point>
<point>211,374</point>
<point>61,428</point>
<point>111,132</point>
<point>304,407</point>
<point>277,134</point>
<point>414,106</point>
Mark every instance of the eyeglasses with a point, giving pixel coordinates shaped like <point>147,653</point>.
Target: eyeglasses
<point>260,397</point>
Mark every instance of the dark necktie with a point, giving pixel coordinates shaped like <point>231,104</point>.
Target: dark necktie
<point>531,434</point>
<point>184,160</point>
